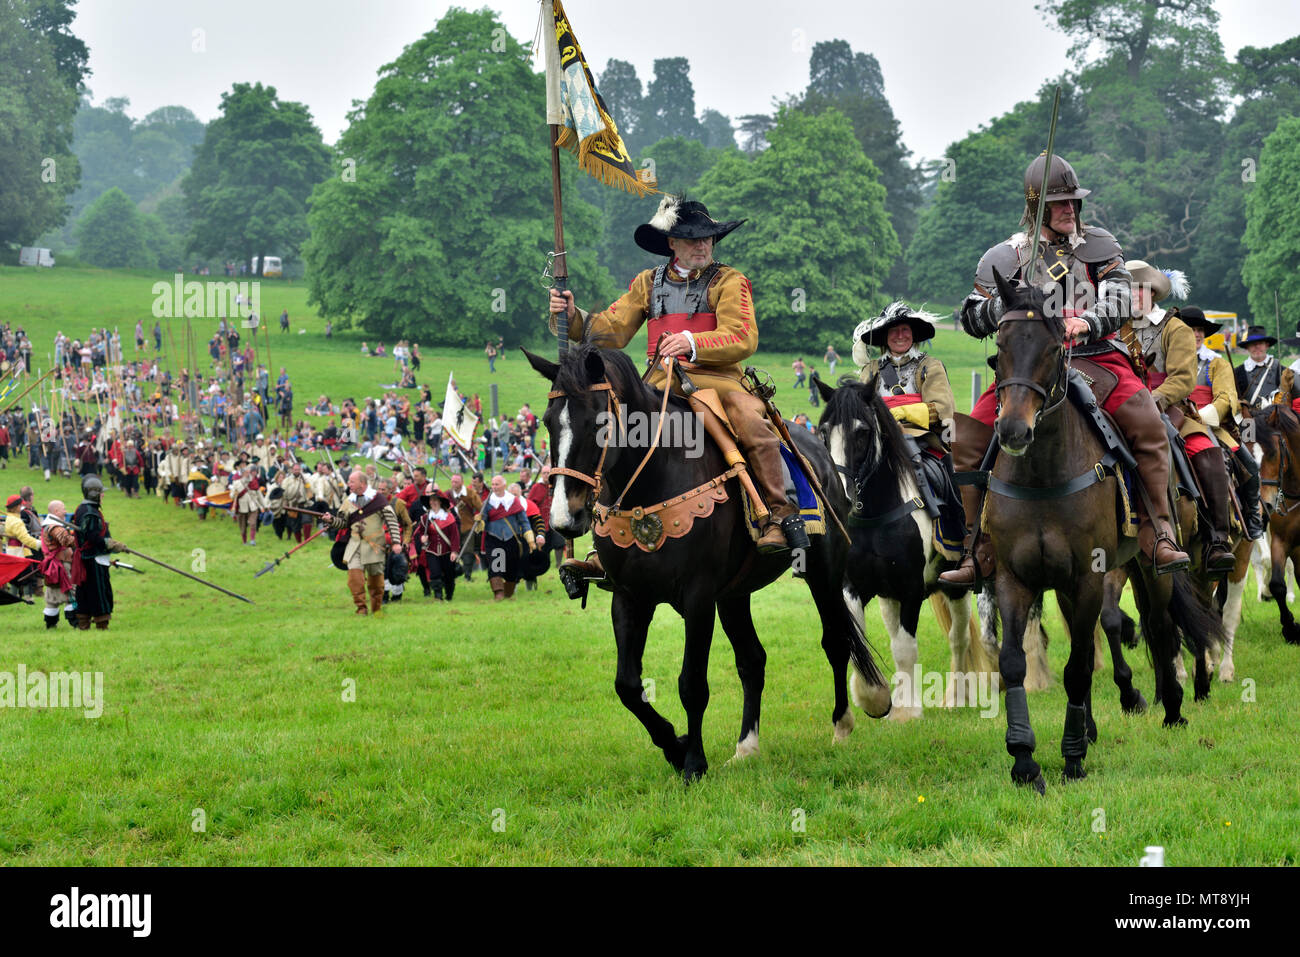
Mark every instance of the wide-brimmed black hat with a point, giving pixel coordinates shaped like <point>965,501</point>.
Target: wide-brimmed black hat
<point>1195,318</point>
<point>875,332</point>
<point>1257,334</point>
<point>682,219</point>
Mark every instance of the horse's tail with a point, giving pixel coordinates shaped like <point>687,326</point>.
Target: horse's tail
<point>1199,622</point>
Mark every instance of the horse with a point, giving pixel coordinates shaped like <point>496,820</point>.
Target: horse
<point>707,562</point>
<point>1053,518</point>
<point>893,554</point>
<point>1277,430</point>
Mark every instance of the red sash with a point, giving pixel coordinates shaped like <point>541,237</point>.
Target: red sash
<point>1155,379</point>
<point>894,401</point>
<point>678,322</point>
<point>1202,395</point>
<point>498,512</point>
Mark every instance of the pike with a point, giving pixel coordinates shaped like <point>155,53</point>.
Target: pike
<point>150,558</point>
<point>1042,189</point>
<point>38,381</point>
<point>270,566</point>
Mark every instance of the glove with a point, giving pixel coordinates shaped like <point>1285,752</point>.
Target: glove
<point>113,545</point>
<point>1209,415</point>
<point>531,539</point>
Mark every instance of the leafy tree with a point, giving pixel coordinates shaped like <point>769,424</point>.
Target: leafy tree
<point>621,89</point>
<point>669,107</point>
<point>247,191</point>
<point>1131,29</point>
<point>1272,232</point>
<point>716,130</point>
<point>112,234</point>
<point>42,65</point>
<point>444,230</point>
<point>818,243</point>
<point>852,83</point>
<point>977,202</point>
<point>754,128</point>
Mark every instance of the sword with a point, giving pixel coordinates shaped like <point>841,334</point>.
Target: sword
<point>115,563</point>
<point>1042,189</point>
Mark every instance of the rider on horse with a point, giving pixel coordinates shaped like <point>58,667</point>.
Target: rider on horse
<point>701,312</point>
<point>1217,402</point>
<point>1081,270</point>
<point>1260,376</point>
<point>1169,360</point>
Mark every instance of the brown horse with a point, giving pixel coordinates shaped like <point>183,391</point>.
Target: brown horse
<point>1052,514</point>
<point>1277,430</point>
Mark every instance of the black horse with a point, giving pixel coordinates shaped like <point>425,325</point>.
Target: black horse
<point>893,554</point>
<point>714,565</point>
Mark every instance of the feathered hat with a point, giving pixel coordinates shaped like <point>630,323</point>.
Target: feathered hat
<point>683,219</point>
<point>1163,283</point>
<point>875,331</point>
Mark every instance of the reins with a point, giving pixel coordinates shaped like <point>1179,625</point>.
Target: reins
<point>1059,384</point>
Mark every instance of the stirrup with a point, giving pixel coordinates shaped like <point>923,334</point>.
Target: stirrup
<point>796,533</point>
<point>1171,567</point>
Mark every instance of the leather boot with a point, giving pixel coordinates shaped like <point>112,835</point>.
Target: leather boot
<point>1139,420</point>
<point>968,451</point>
<point>376,585</point>
<point>758,441</point>
<point>357,585</point>
<point>509,589</point>
<point>498,587</point>
<point>1248,489</point>
<point>1214,483</point>
<point>575,575</point>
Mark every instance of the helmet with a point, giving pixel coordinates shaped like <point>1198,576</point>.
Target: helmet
<point>1062,183</point>
<point>90,483</point>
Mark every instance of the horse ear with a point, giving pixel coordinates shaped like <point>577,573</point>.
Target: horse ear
<point>1005,289</point>
<point>545,367</point>
<point>595,367</point>
<point>826,390</point>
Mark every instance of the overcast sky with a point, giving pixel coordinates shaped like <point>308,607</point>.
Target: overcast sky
<point>944,61</point>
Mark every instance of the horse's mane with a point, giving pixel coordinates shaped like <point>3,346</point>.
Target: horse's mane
<point>1265,428</point>
<point>575,375</point>
<point>855,401</point>
<point>1031,298</point>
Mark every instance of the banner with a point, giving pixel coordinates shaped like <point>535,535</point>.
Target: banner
<point>458,422</point>
<point>575,105</point>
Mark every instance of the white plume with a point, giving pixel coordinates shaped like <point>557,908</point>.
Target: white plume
<point>1179,287</point>
<point>665,217</point>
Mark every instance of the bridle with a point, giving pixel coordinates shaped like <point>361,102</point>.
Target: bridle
<point>1284,457</point>
<point>856,481</point>
<point>1058,383</point>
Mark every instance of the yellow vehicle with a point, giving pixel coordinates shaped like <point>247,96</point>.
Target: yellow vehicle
<point>1228,335</point>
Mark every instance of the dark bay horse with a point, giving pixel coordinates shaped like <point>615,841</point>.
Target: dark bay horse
<point>893,555</point>
<point>1277,430</point>
<point>1052,514</point>
<point>712,566</point>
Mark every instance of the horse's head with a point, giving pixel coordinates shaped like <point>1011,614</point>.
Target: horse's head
<point>1276,430</point>
<point>1031,370</point>
<point>586,385</point>
<point>860,434</point>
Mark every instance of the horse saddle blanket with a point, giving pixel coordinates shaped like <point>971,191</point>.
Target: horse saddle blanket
<point>798,491</point>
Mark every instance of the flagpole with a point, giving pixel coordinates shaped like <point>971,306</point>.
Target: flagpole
<point>559,264</point>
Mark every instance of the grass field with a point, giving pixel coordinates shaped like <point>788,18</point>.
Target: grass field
<point>491,734</point>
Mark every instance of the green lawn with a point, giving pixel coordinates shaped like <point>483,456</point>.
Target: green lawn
<point>473,714</point>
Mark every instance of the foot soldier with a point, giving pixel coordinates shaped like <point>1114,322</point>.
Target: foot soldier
<point>57,544</point>
<point>1081,269</point>
<point>369,527</point>
<point>701,312</point>
<point>90,571</point>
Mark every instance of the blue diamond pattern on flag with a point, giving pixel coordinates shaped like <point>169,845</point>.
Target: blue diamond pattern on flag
<point>458,422</point>
<point>574,105</point>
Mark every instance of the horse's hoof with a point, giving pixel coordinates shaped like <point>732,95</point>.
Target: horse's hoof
<point>1291,632</point>
<point>1025,771</point>
<point>873,699</point>
<point>901,714</point>
<point>692,773</point>
<point>1073,772</point>
<point>1136,705</point>
<point>746,747</point>
<point>843,727</point>
<point>1038,784</point>
<point>1178,722</point>
<point>676,753</point>
<point>1227,674</point>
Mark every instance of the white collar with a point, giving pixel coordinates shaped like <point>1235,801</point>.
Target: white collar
<point>908,356</point>
<point>1152,318</point>
<point>1205,352</point>
<point>1251,365</point>
<point>507,500</point>
<point>366,496</point>
<point>439,515</point>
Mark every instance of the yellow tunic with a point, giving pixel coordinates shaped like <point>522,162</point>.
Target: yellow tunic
<point>1174,355</point>
<point>931,383</point>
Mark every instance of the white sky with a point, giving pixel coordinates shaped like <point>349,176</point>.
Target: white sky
<point>943,62</point>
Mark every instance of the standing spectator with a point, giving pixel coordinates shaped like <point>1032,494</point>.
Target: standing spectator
<point>831,358</point>
<point>139,335</point>
<point>157,337</point>
<point>798,368</point>
<point>415,357</point>
<point>814,397</point>
<point>329,329</point>
<point>4,443</point>
<point>491,352</point>
<point>284,321</point>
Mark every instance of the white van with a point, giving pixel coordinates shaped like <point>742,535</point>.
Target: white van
<point>35,256</point>
<point>271,267</point>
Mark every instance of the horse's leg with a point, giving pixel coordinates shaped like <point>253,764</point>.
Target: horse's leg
<point>1038,677</point>
<point>751,663</point>
<point>834,609</point>
<point>902,642</point>
<point>631,622</point>
<point>871,695</point>
<point>1232,618</point>
<point>986,606</point>
<point>1112,623</point>
<point>961,669</point>
<point>1014,600</point>
<point>1080,611</point>
<point>1153,594</point>
<point>1277,588</point>
<point>693,682</point>
<point>1258,556</point>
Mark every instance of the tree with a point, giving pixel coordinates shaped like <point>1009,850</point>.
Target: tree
<point>112,234</point>
<point>1131,29</point>
<point>621,90</point>
<point>41,68</point>
<point>853,84</point>
<point>754,128</point>
<point>247,191</point>
<point>669,107</point>
<point>1272,263</point>
<point>818,242</point>
<point>437,221</point>
<point>716,131</point>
